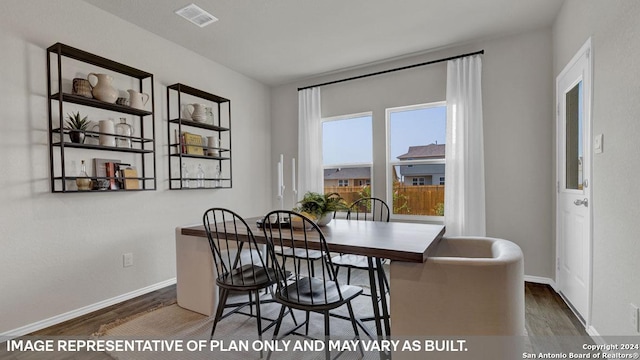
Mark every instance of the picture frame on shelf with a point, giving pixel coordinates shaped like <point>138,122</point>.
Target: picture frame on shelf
<point>129,176</point>
<point>193,143</point>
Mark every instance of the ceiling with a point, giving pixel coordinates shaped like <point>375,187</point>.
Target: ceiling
<point>280,41</point>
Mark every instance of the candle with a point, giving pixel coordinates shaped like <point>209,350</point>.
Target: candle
<point>279,179</point>
<point>293,175</point>
<point>281,175</point>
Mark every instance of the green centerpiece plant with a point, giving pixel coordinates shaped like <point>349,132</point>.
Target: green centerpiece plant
<point>320,207</point>
<point>77,125</point>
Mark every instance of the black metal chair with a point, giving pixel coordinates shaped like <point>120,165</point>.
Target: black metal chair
<point>299,255</point>
<point>238,263</point>
<point>305,291</point>
<point>364,209</point>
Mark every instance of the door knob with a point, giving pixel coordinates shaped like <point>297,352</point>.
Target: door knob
<point>584,202</point>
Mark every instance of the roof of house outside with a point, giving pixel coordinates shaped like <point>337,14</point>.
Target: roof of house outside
<point>347,173</point>
<point>422,170</point>
<point>431,151</point>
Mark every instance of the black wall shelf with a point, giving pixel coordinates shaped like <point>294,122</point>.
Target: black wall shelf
<point>62,150</point>
<point>219,126</point>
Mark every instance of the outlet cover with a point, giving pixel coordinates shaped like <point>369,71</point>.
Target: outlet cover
<point>127,259</point>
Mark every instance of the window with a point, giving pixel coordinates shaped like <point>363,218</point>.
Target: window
<point>418,181</point>
<point>416,149</point>
<point>347,155</point>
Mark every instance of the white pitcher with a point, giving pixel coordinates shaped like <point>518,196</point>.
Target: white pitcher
<point>106,127</point>
<point>103,90</point>
<point>137,100</point>
<point>213,145</point>
<point>197,112</point>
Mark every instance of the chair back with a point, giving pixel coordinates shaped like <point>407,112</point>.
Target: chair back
<point>369,209</point>
<point>236,256</point>
<point>298,232</point>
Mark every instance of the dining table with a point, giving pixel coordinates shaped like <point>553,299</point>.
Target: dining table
<point>405,244</point>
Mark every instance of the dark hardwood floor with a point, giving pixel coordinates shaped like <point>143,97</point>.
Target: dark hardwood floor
<point>90,323</point>
<point>549,322</point>
<point>85,326</point>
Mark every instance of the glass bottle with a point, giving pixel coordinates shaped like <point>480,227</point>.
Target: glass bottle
<point>185,176</point>
<point>82,180</point>
<point>200,175</point>
<point>216,182</point>
<point>208,111</point>
<point>124,129</point>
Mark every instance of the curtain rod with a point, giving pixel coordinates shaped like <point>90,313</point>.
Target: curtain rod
<point>392,70</point>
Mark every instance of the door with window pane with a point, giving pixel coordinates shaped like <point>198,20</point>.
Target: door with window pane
<point>574,207</point>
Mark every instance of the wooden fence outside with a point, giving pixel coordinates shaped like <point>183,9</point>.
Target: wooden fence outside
<point>419,200</point>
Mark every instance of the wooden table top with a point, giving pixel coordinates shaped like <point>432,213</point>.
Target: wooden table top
<point>390,240</point>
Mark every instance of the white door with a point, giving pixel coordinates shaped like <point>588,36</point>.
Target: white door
<point>574,207</point>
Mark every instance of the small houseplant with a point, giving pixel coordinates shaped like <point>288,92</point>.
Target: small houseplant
<point>321,207</point>
<point>77,125</point>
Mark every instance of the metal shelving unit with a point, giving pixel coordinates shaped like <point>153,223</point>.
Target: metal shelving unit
<point>220,127</point>
<point>61,148</point>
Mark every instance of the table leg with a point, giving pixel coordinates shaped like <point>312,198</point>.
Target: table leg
<point>374,303</point>
<point>383,297</point>
<point>196,289</point>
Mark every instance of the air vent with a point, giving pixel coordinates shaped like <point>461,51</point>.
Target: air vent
<point>196,15</point>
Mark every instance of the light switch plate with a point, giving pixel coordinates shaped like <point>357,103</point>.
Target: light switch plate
<point>597,144</point>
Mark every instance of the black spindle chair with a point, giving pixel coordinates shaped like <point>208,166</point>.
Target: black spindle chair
<point>308,291</point>
<point>238,263</point>
<point>364,209</point>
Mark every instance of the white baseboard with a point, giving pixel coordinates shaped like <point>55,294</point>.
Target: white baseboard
<point>540,280</point>
<point>595,335</point>
<point>27,329</point>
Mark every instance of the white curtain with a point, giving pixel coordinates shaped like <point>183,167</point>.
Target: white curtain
<point>310,171</point>
<point>464,201</point>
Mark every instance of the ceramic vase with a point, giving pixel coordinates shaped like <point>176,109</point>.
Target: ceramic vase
<point>103,90</point>
<point>76,136</point>
<point>325,219</point>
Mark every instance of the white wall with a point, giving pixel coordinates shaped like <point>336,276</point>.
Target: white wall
<point>615,32</point>
<point>62,252</point>
<point>518,119</point>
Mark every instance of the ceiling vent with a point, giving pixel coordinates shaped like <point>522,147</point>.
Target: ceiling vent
<point>196,15</point>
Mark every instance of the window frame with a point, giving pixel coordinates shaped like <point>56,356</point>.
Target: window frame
<point>418,181</point>
<point>358,164</point>
<point>389,165</point>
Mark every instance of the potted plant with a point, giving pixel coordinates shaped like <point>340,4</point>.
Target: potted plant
<point>321,207</point>
<point>77,125</point>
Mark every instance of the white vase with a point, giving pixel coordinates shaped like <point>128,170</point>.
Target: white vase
<point>197,112</point>
<point>103,90</point>
<point>325,219</point>
<point>213,146</point>
<point>137,100</point>
<point>106,127</point>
